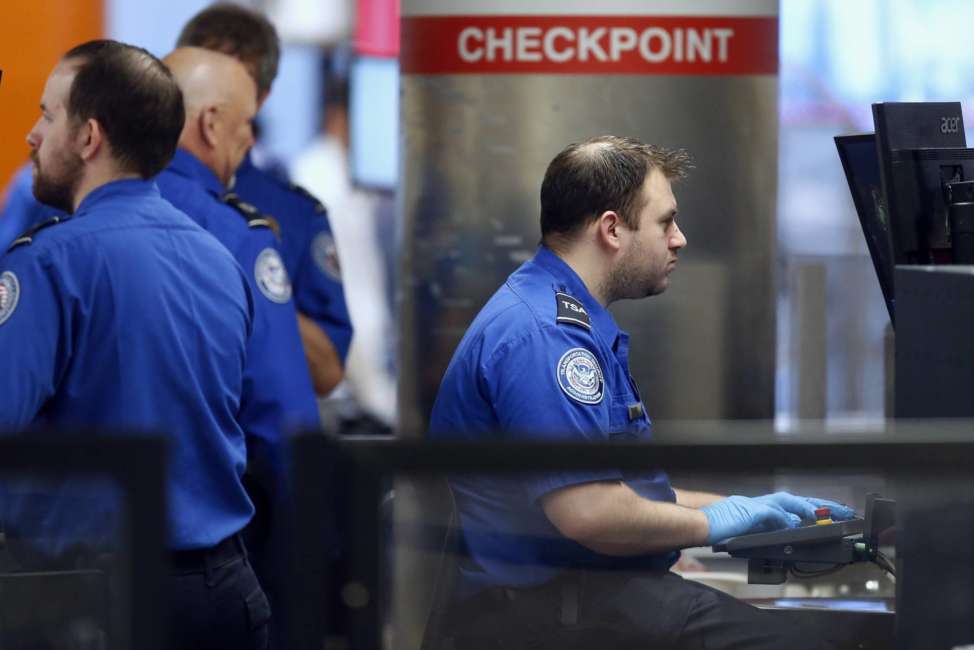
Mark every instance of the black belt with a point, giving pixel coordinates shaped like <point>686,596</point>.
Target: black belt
<point>563,592</point>
<point>198,560</point>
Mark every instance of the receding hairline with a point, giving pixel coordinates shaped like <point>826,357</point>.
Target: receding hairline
<point>139,60</point>
<point>675,164</point>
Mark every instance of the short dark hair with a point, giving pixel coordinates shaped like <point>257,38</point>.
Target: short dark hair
<point>603,173</point>
<point>135,100</point>
<point>242,33</point>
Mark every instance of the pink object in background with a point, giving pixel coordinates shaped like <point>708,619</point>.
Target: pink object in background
<point>377,28</point>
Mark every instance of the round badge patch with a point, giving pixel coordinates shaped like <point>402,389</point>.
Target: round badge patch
<point>271,276</point>
<point>580,376</point>
<point>325,254</point>
<point>9,295</point>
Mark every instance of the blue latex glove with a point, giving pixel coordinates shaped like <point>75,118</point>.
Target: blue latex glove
<point>805,507</point>
<point>741,515</point>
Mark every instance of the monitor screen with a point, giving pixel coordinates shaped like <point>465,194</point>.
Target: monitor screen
<point>861,165</point>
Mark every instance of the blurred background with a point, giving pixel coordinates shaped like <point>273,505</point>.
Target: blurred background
<point>332,124</point>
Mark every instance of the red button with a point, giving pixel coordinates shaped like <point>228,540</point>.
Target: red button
<point>823,513</point>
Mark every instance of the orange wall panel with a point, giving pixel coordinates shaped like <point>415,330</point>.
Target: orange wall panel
<point>33,36</point>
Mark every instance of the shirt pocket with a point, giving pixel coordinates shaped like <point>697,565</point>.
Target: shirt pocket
<point>621,428</point>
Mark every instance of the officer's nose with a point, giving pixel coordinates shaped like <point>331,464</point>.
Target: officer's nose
<point>678,240</point>
<point>33,137</point>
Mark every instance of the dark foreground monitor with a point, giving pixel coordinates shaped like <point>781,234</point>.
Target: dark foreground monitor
<point>921,151</point>
<point>861,165</point>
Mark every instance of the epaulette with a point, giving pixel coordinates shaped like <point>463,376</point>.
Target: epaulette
<point>253,216</point>
<point>319,206</point>
<point>27,237</point>
<point>572,311</point>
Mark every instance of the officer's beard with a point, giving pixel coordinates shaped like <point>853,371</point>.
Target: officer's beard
<point>632,279</point>
<point>58,188</point>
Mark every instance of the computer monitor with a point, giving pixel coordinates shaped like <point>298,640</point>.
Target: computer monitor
<point>861,165</point>
<point>921,149</point>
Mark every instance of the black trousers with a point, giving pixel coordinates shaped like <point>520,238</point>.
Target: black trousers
<point>625,611</point>
<point>215,600</point>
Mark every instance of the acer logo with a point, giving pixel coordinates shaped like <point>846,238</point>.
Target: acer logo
<point>572,307</point>
<point>949,124</point>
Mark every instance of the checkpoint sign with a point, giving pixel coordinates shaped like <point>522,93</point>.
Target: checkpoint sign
<point>666,42</point>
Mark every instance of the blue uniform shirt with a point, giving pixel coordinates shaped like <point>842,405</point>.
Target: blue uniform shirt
<point>542,361</point>
<point>130,316</point>
<point>307,246</point>
<point>20,210</point>
<point>277,385</point>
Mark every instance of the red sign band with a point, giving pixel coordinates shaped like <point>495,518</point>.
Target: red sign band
<point>648,45</point>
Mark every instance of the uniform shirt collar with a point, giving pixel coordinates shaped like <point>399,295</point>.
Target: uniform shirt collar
<point>567,281</point>
<point>186,164</point>
<point>125,188</point>
<point>247,164</point>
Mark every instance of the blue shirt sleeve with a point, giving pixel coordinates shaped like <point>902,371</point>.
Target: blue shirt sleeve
<point>277,391</point>
<point>318,290</point>
<point>33,337</point>
<point>277,388</point>
<point>521,378</point>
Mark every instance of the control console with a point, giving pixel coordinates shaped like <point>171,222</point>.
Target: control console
<point>813,547</point>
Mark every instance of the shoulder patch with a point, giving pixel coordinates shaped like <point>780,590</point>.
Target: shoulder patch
<point>271,276</point>
<point>325,255</point>
<point>9,295</point>
<point>250,212</point>
<point>27,237</point>
<point>570,310</point>
<point>580,376</point>
<point>319,206</point>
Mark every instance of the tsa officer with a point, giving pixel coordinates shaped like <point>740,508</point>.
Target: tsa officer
<point>562,558</point>
<point>307,244</point>
<point>220,103</point>
<point>128,316</point>
<point>278,396</point>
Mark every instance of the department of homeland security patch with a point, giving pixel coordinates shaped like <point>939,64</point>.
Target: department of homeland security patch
<point>271,276</point>
<point>9,295</point>
<point>580,376</point>
<point>325,254</point>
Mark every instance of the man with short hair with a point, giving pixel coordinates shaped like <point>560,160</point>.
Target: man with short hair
<point>221,101</point>
<point>127,316</point>
<point>582,559</point>
<point>307,244</point>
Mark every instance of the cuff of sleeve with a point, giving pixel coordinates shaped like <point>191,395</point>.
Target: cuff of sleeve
<point>540,485</point>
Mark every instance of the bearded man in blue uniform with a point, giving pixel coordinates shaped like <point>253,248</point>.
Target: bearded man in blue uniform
<point>582,559</point>
<point>307,244</point>
<point>128,316</point>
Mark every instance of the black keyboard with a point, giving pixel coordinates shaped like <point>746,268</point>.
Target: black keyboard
<point>807,534</point>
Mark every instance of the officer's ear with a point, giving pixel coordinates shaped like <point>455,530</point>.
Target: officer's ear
<point>608,230</point>
<point>208,124</point>
<point>89,139</point>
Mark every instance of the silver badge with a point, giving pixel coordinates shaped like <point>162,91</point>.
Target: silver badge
<point>580,376</point>
<point>9,295</point>
<point>271,276</point>
<point>325,254</point>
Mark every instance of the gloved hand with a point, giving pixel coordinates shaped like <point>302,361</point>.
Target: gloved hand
<point>741,515</point>
<point>805,507</point>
